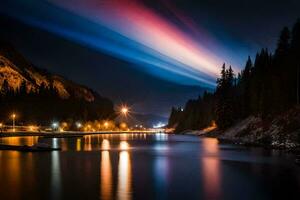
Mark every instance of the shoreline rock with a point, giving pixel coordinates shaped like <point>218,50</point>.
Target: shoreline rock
<point>279,132</point>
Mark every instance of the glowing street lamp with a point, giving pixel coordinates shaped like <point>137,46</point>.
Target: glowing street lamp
<point>105,124</point>
<point>124,110</point>
<point>13,116</point>
<point>79,125</point>
<point>54,125</point>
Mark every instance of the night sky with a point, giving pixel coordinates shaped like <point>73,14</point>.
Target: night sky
<point>152,54</point>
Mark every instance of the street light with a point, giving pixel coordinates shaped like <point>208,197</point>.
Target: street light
<point>79,125</point>
<point>13,116</point>
<point>124,110</point>
<point>54,125</point>
<point>106,124</point>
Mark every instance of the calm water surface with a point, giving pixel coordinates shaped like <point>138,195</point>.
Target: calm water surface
<point>140,166</point>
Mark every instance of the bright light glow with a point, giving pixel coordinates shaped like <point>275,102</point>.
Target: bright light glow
<point>78,125</point>
<point>212,127</point>
<point>124,110</point>
<point>123,125</point>
<point>64,124</point>
<point>106,124</point>
<point>55,125</point>
<point>124,145</point>
<point>1,125</point>
<point>13,116</point>
<point>32,128</point>
<point>159,125</point>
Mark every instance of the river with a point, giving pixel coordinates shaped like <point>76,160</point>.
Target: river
<point>146,166</point>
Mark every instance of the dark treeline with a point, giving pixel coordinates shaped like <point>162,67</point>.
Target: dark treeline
<point>43,105</point>
<point>192,116</point>
<point>266,87</point>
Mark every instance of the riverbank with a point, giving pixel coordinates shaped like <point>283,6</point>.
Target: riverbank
<point>280,132</point>
<point>223,138</point>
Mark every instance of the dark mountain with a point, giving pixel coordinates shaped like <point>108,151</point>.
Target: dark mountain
<point>41,95</point>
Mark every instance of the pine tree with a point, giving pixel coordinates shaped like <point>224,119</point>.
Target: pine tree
<point>224,98</point>
<point>295,55</point>
<point>283,44</point>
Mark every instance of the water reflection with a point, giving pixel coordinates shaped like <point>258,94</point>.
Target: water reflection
<point>171,169</point>
<point>105,145</point>
<point>13,170</point>
<point>28,140</point>
<point>55,175</point>
<point>88,143</point>
<point>124,145</point>
<point>78,144</point>
<point>161,170</point>
<point>106,176</point>
<point>124,136</point>
<point>124,173</point>
<point>55,143</point>
<point>210,146</point>
<point>211,169</point>
<point>161,137</point>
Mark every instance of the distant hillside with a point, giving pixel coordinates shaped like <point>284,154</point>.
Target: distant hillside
<point>24,87</point>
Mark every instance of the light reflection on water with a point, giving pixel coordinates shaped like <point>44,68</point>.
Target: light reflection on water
<point>211,169</point>
<point>106,176</point>
<point>55,175</point>
<point>30,140</point>
<point>78,144</point>
<point>88,143</point>
<point>14,172</point>
<point>161,169</point>
<point>161,137</point>
<point>140,166</point>
<point>124,173</point>
<point>105,144</point>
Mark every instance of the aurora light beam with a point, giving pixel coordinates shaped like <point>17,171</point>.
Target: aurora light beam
<point>126,29</point>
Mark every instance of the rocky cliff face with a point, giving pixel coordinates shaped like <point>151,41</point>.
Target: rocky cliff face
<point>15,69</point>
